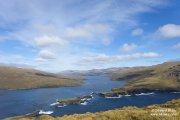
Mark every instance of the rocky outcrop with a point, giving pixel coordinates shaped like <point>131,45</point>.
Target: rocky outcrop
<point>118,93</point>
<point>76,100</point>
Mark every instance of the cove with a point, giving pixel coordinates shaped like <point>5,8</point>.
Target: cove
<point>20,102</point>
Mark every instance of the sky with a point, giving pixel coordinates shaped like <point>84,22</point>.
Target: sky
<point>57,35</point>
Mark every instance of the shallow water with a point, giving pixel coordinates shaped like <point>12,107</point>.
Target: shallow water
<point>19,102</point>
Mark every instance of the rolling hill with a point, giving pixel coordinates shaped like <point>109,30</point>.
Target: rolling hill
<point>161,77</point>
<point>20,78</point>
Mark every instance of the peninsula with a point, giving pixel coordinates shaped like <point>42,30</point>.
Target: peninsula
<point>20,78</point>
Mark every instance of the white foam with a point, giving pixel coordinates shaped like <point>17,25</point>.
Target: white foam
<point>61,105</point>
<point>115,97</point>
<point>84,103</point>
<point>89,99</point>
<point>53,104</point>
<point>145,93</point>
<point>41,112</point>
<point>127,95</point>
<point>175,92</point>
<point>83,99</point>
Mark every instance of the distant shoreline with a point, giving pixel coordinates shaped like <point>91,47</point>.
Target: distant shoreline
<point>39,88</point>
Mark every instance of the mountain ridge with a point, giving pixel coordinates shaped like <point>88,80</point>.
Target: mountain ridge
<point>22,78</point>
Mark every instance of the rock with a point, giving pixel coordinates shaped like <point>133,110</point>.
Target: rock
<point>76,100</point>
<point>135,91</point>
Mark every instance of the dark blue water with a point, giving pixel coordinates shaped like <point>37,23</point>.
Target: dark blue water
<point>101,104</point>
<point>19,102</point>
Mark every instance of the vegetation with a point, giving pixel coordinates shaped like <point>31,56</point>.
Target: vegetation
<point>75,100</point>
<point>167,111</point>
<point>162,77</point>
<point>19,78</point>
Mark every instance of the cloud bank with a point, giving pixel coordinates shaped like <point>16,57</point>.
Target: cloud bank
<point>106,59</point>
<point>65,32</point>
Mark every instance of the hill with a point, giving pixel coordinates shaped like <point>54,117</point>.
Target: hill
<point>20,78</point>
<point>164,76</point>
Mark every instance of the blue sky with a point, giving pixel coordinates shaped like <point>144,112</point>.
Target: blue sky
<point>56,35</point>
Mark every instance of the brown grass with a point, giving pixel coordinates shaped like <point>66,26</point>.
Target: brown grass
<point>18,78</point>
<point>162,76</point>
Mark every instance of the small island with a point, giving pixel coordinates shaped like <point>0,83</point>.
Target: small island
<point>75,100</point>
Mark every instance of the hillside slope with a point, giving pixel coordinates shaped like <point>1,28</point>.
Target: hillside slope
<point>19,78</point>
<point>164,76</point>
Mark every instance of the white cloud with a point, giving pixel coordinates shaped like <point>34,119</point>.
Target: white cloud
<point>49,41</point>
<point>90,32</point>
<point>137,32</point>
<point>128,47</point>
<point>77,33</point>
<point>177,46</point>
<point>47,54</point>
<point>106,59</point>
<point>168,31</point>
<point>52,25</point>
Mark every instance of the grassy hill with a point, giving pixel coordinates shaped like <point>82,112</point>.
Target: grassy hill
<point>19,78</point>
<point>167,111</point>
<point>164,76</point>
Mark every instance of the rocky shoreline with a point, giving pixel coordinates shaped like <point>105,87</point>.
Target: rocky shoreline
<point>134,92</point>
<point>111,94</point>
<point>85,98</point>
<point>75,100</point>
<point>129,113</point>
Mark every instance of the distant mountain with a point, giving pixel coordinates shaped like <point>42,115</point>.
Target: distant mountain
<point>167,73</point>
<point>21,78</point>
<point>92,72</point>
